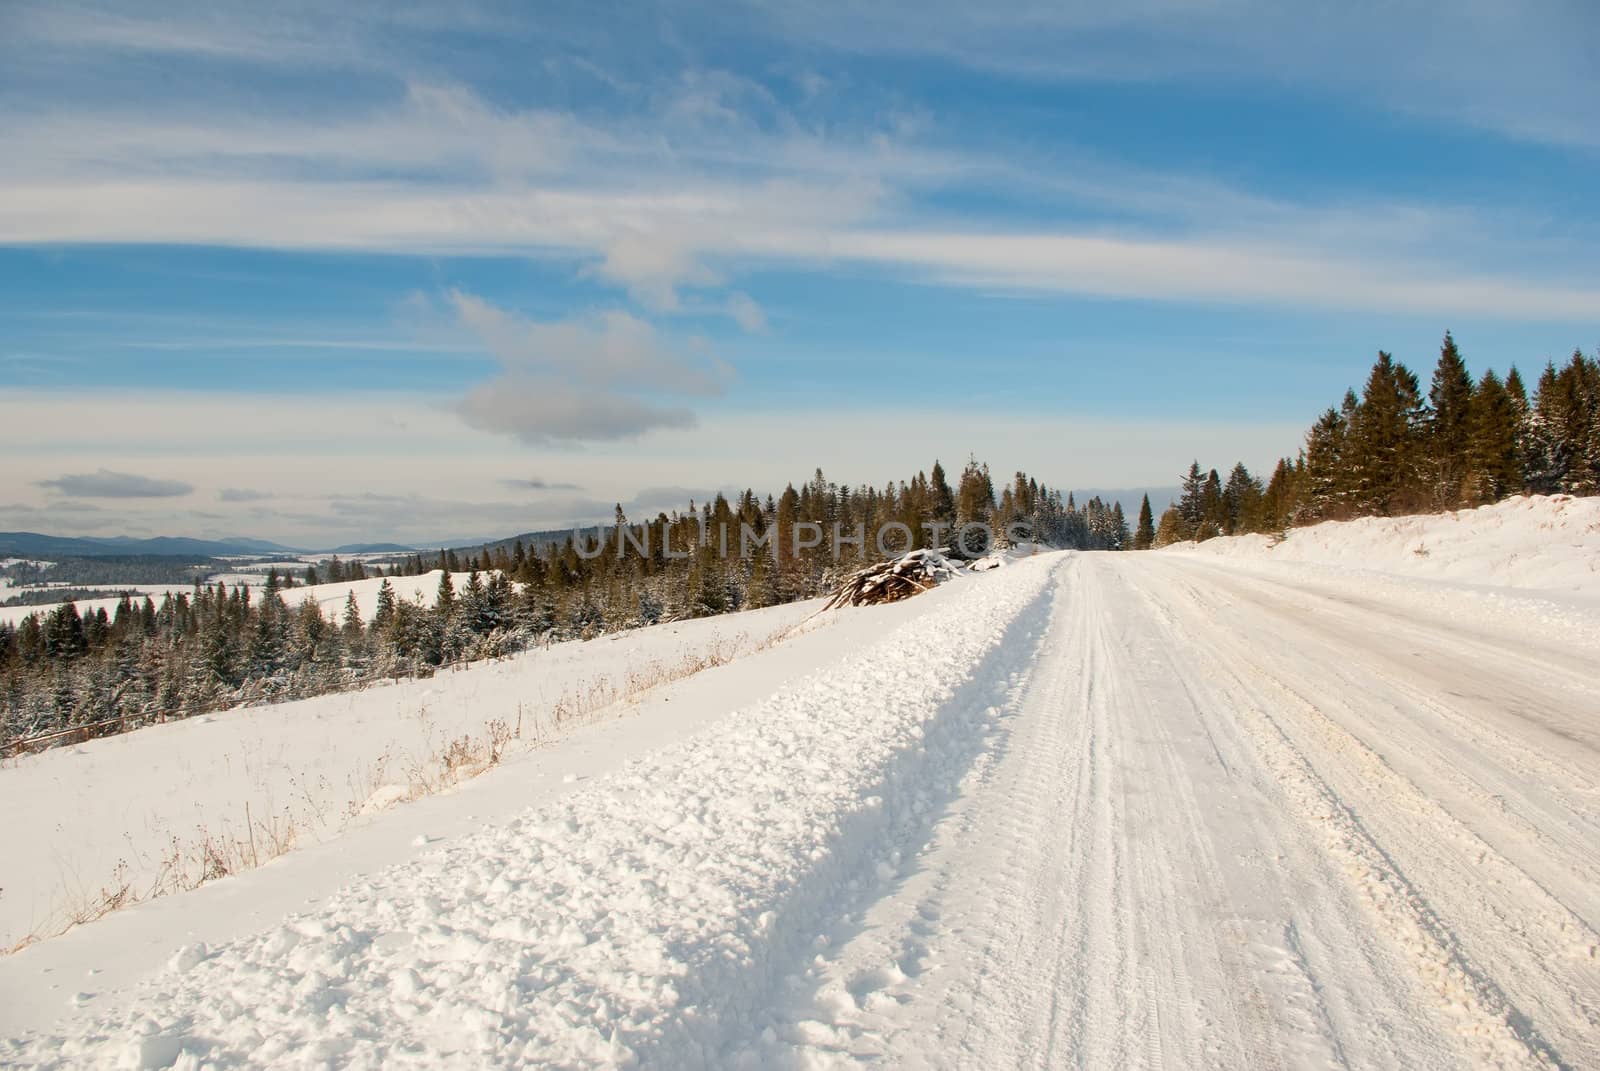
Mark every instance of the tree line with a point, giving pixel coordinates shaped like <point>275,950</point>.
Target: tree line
<point>219,646</point>
<point>1394,449</point>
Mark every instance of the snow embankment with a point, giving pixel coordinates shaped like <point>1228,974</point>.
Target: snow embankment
<point>650,916</point>
<point>126,817</point>
<point>1548,543</point>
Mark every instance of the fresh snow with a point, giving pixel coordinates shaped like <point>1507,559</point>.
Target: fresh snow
<point>1536,542</point>
<point>1103,810</point>
<point>84,817</point>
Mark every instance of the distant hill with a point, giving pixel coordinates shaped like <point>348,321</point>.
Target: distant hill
<point>373,548</point>
<point>1160,498</point>
<point>36,545</point>
<point>529,540</point>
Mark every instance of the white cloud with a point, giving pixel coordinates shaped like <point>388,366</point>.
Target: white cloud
<point>698,175</point>
<point>541,413</point>
<point>1205,271</point>
<point>585,379</point>
<point>746,313</point>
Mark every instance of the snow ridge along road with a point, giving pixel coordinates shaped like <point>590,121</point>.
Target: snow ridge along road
<point>648,917</point>
<point>1093,810</point>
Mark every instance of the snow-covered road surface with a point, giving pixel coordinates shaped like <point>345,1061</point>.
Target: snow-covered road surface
<point>1087,810</point>
<point>1232,823</point>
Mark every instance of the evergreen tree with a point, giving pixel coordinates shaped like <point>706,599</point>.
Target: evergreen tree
<point>1449,429</point>
<point>444,602</point>
<point>353,625</point>
<point>383,619</point>
<point>1382,438</point>
<point>1517,392</point>
<point>1241,500</point>
<point>1213,512</point>
<point>1493,465</point>
<point>1144,536</point>
<point>975,497</point>
<point>1173,527</point>
<point>1191,500</point>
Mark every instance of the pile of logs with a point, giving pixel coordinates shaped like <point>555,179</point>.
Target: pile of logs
<point>892,580</point>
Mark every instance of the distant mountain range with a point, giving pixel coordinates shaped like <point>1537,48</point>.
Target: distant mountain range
<point>36,545</point>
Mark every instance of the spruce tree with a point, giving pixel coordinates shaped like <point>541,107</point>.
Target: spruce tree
<point>1213,515</point>
<point>1382,440</point>
<point>1241,499</point>
<point>353,624</point>
<point>383,619</point>
<point>1144,536</point>
<point>1493,466</point>
<point>444,603</point>
<point>1448,426</point>
<point>1191,499</point>
<point>1517,392</point>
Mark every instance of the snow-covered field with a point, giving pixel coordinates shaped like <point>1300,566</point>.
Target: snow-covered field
<point>1174,809</point>
<point>331,597</point>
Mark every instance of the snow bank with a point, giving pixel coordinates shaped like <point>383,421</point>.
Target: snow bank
<point>647,917</point>
<point>1534,542</point>
<point>129,809</point>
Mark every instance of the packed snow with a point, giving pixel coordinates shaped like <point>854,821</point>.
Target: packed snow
<point>1103,810</point>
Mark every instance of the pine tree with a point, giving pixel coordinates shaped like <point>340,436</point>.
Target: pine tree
<point>1517,392</point>
<point>1120,538</point>
<point>975,497</point>
<point>1213,513</point>
<point>1493,466</point>
<point>1144,536</point>
<point>1382,440</point>
<point>1241,499</point>
<point>353,624</point>
<point>1172,529</point>
<point>1449,429</point>
<point>1191,500</point>
<point>444,602</point>
<point>383,619</point>
<point>1551,415</point>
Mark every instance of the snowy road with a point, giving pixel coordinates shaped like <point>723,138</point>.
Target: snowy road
<point>1088,810</point>
<point>1236,822</point>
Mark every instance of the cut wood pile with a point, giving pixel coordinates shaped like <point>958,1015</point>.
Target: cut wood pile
<point>892,580</point>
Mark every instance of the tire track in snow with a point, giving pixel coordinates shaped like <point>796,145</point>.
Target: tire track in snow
<point>1121,886</point>
<point>1370,816</point>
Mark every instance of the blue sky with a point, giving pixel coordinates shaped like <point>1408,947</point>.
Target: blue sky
<point>329,275</point>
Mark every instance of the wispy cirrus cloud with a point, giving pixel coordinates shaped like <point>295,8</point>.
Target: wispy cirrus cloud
<point>655,222</point>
